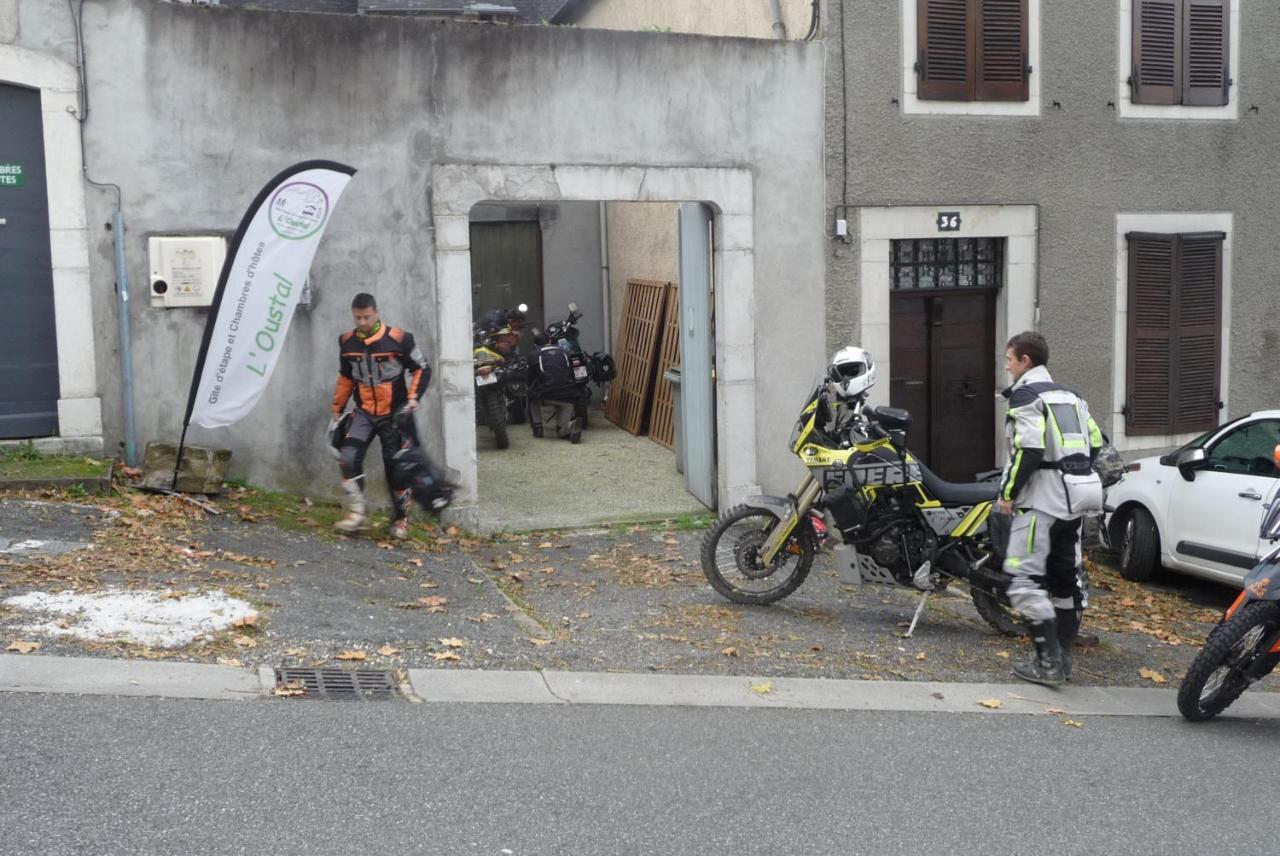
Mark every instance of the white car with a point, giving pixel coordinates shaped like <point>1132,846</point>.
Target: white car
<point>1197,510</point>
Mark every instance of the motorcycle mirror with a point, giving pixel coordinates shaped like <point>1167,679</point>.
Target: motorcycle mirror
<point>573,307</point>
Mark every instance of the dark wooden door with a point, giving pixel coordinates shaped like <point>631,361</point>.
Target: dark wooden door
<point>942,349</point>
<point>506,269</point>
<point>29,366</point>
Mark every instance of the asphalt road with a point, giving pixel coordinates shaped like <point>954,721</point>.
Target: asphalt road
<point>102,775</point>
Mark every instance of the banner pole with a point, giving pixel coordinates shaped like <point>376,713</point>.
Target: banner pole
<point>177,461</point>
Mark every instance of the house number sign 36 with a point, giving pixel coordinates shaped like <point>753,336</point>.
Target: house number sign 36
<point>948,221</point>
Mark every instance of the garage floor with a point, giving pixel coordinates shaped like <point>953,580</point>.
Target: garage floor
<point>611,476</point>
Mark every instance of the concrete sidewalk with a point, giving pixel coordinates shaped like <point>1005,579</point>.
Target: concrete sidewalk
<point>96,676</point>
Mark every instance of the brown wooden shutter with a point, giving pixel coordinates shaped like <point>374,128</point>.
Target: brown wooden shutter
<point>1206,77</point>
<point>1149,392</point>
<point>1157,52</point>
<point>1198,332</point>
<point>943,65</point>
<point>1001,70</point>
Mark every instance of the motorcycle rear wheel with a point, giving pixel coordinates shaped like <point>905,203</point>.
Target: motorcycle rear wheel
<point>1002,617</point>
<point>496,415</point>
<point>731,561</point>
<point>1217,675</point>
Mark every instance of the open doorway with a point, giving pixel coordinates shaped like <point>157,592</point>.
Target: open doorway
<point>592,279</point>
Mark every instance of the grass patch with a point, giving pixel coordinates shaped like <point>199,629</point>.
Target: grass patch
<point>24,462</point>
<point>286,510</point>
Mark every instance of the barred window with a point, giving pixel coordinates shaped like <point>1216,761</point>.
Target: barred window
<point>937,263</point>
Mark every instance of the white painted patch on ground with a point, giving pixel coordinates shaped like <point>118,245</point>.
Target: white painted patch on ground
<point>151,618</point>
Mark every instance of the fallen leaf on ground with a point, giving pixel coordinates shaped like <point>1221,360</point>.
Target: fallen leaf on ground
<point>992,703</point>
<point>388,651</point>
<point>445,655</point>
<point>434,603</point>
<point>921,656</point>
<point>938,696</point>
<point>249,620</point>
<point>229,661</point>
<point>545,545</point>
<point>1056,711</point>
<point>1152,675</point>
<point>482,617</point>
<point>293,688</point>
<point>1074,723</point>
<point>762,689</point>
<point>386,545</point>
<point>351,655</point>
<point>453,642</point>
<point>428,585</point>
<point>730,651</point>
<point>294,652</point>
<point>538,642</point>
<point>245,642</point>
<point>584,615</point>
<point>417,563</point>
<point>130,472</point>
<point>20,646</point>
<point>1003,655</point>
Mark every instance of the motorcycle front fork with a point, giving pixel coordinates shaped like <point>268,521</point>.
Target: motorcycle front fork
<point>802,500</point>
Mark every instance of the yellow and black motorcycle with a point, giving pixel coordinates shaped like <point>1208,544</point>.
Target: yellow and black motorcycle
<point>896,522</point>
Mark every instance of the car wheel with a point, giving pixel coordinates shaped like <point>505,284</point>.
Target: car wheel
<point>1139,546</point>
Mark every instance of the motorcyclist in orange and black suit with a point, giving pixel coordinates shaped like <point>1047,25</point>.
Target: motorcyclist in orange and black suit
<point>386,373</point>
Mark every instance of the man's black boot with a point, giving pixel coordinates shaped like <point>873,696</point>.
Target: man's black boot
<point>1045,664</point>
<point>537,430</point>
<point>1068,622</point>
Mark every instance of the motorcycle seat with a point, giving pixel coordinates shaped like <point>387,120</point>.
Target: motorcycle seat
<point>950,493</point>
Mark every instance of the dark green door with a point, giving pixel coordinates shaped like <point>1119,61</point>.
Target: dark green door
<point>29,361</point>
<point>506,269</point>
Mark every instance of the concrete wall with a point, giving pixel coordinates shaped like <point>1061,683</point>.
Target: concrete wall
<point>643,244</point>
<point>1080,164</point>
<point>571,268</point>
<point>195,108</point>
<point>749,18</point>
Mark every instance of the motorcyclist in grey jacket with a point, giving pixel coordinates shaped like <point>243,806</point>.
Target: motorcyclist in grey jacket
<point>1048,484</point>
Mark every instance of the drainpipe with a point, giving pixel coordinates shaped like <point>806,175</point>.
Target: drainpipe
<point>779,28</point>
<point>126,346</point>
<point>604,276</point>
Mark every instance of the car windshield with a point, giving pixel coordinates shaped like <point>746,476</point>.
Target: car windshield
<point>1204,438</point>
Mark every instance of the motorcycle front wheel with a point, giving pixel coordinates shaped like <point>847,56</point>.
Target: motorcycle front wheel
<point>1217,676</point>
<point>731,557</point>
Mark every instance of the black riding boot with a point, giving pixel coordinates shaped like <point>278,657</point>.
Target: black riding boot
<point>1068,621</point>
<point>1045,664</point>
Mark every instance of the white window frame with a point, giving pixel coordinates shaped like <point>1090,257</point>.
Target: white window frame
<point>1124,63</point>
<point>1164,223</point>
<point>912,103</point>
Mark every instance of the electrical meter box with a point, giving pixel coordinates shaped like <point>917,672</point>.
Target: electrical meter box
<point>184,270</point>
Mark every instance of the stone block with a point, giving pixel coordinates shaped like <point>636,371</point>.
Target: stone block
<point>203,468</point>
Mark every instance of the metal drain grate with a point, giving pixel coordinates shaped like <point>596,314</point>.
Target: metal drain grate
<point>340,684</point>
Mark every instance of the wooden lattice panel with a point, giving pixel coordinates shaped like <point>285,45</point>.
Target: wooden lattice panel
<point>662,422</point>
<point>636,354</point>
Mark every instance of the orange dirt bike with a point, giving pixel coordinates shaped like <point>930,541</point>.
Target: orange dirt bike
<point>1245,645</point>
<point>896,521</point>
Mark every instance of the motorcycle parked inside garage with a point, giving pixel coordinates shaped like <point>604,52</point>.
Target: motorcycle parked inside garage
<point>1244,647</point>
<point>595,368</point>
<point>491,395</point>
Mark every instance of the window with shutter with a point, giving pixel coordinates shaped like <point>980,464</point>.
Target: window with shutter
<point>1175,300</point>
<point>1206,78</point>
<point>1181,52</point>
<point>972,50</point>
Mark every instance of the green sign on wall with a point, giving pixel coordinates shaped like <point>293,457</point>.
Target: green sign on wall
<point>11,175</point>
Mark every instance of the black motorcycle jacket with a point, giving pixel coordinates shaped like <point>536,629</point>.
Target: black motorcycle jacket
<point>551,375</point>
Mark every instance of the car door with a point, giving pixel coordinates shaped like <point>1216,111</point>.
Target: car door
<point>1214,518</point>
<point>1266,545</point>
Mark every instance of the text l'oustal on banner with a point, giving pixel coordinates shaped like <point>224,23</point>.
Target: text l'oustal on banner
<point>258,289</point>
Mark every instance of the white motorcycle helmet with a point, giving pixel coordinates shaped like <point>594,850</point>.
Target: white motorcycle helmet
<point>851,372</point>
